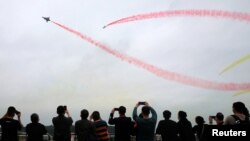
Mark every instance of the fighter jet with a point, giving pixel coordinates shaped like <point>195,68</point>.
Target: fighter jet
<point>46,19</point>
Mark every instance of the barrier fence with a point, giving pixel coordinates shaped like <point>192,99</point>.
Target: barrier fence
<point>48,137</point>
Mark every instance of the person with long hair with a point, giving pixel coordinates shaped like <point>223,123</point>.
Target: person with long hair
<point>240,114</point>
<point>185,127</point>
<point>101,127</point>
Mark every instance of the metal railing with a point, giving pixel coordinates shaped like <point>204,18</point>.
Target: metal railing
<point>48,137</point>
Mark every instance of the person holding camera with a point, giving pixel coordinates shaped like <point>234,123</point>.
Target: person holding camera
<point>123,124</point>
<point>219,119</point>
<point>10,126</point>
<point>145,125</point>
<point>62,124</point>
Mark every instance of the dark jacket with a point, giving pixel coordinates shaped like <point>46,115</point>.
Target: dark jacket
<point>85,130</point>
<point>145,127</point>
<point>168,130</point>
<point>123,127</point>
<point>185,130</point>
<point>35,131</point>
<point>62,128</point>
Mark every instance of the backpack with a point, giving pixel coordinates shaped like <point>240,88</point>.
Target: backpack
<point>240,121</point>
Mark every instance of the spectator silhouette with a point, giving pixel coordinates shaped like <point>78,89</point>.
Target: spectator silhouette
<point>123,124</point>
<point>134,130</point>
<point>185,127</point>
<point>167,128</point>
<point>145,125</point>
<point>101,127</point>
<point>199,128</point>
<point>219,119</point>
<point>35,130</point>
<point>62,124</point>
<point>9,125</point>
<point>241,114</point>
<point>85,129</point>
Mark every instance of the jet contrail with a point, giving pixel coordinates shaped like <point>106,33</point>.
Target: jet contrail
<point>168,75</point>
<point>196,13</point>
<point>241,60</point>
<point>242,92</point>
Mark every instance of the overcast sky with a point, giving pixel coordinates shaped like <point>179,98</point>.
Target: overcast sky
<point>43,66</point>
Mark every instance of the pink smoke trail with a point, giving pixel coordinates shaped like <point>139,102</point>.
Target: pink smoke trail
<point>197,13</point>
<point>172,76</point>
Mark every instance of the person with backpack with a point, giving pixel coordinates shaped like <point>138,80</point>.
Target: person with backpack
<point>240,116</point>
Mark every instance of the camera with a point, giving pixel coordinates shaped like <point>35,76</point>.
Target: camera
<point>65,108</point>
<point>17,112</point>
<point>142,103</point>
<point>116,109</point>
<point>213,117</point>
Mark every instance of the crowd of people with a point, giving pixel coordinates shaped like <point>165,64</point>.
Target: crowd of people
<point>142,125</point>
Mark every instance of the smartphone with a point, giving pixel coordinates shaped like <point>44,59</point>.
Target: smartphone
<point>116,109</point>
<point>212,117</point>
<point>17,112</point>
<point>65,107</point>
<point>142,103</point>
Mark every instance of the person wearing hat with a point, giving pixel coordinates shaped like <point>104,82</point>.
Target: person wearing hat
<point>11,126</point>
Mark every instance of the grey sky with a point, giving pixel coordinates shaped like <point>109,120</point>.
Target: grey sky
<point>43,66</point>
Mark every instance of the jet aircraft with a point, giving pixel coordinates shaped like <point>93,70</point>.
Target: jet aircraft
<point>46,19</point>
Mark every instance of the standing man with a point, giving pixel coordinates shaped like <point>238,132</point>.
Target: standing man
<point>145,125</point>
<point>35,130</point>
<point>62,124</point>
<point>123,124</point>
<point>85,129</point>
<point>167,128</point>
<point>9,125</point>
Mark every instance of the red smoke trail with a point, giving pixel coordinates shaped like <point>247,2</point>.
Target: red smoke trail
<point>197,13</point>
<point>160,72</point>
